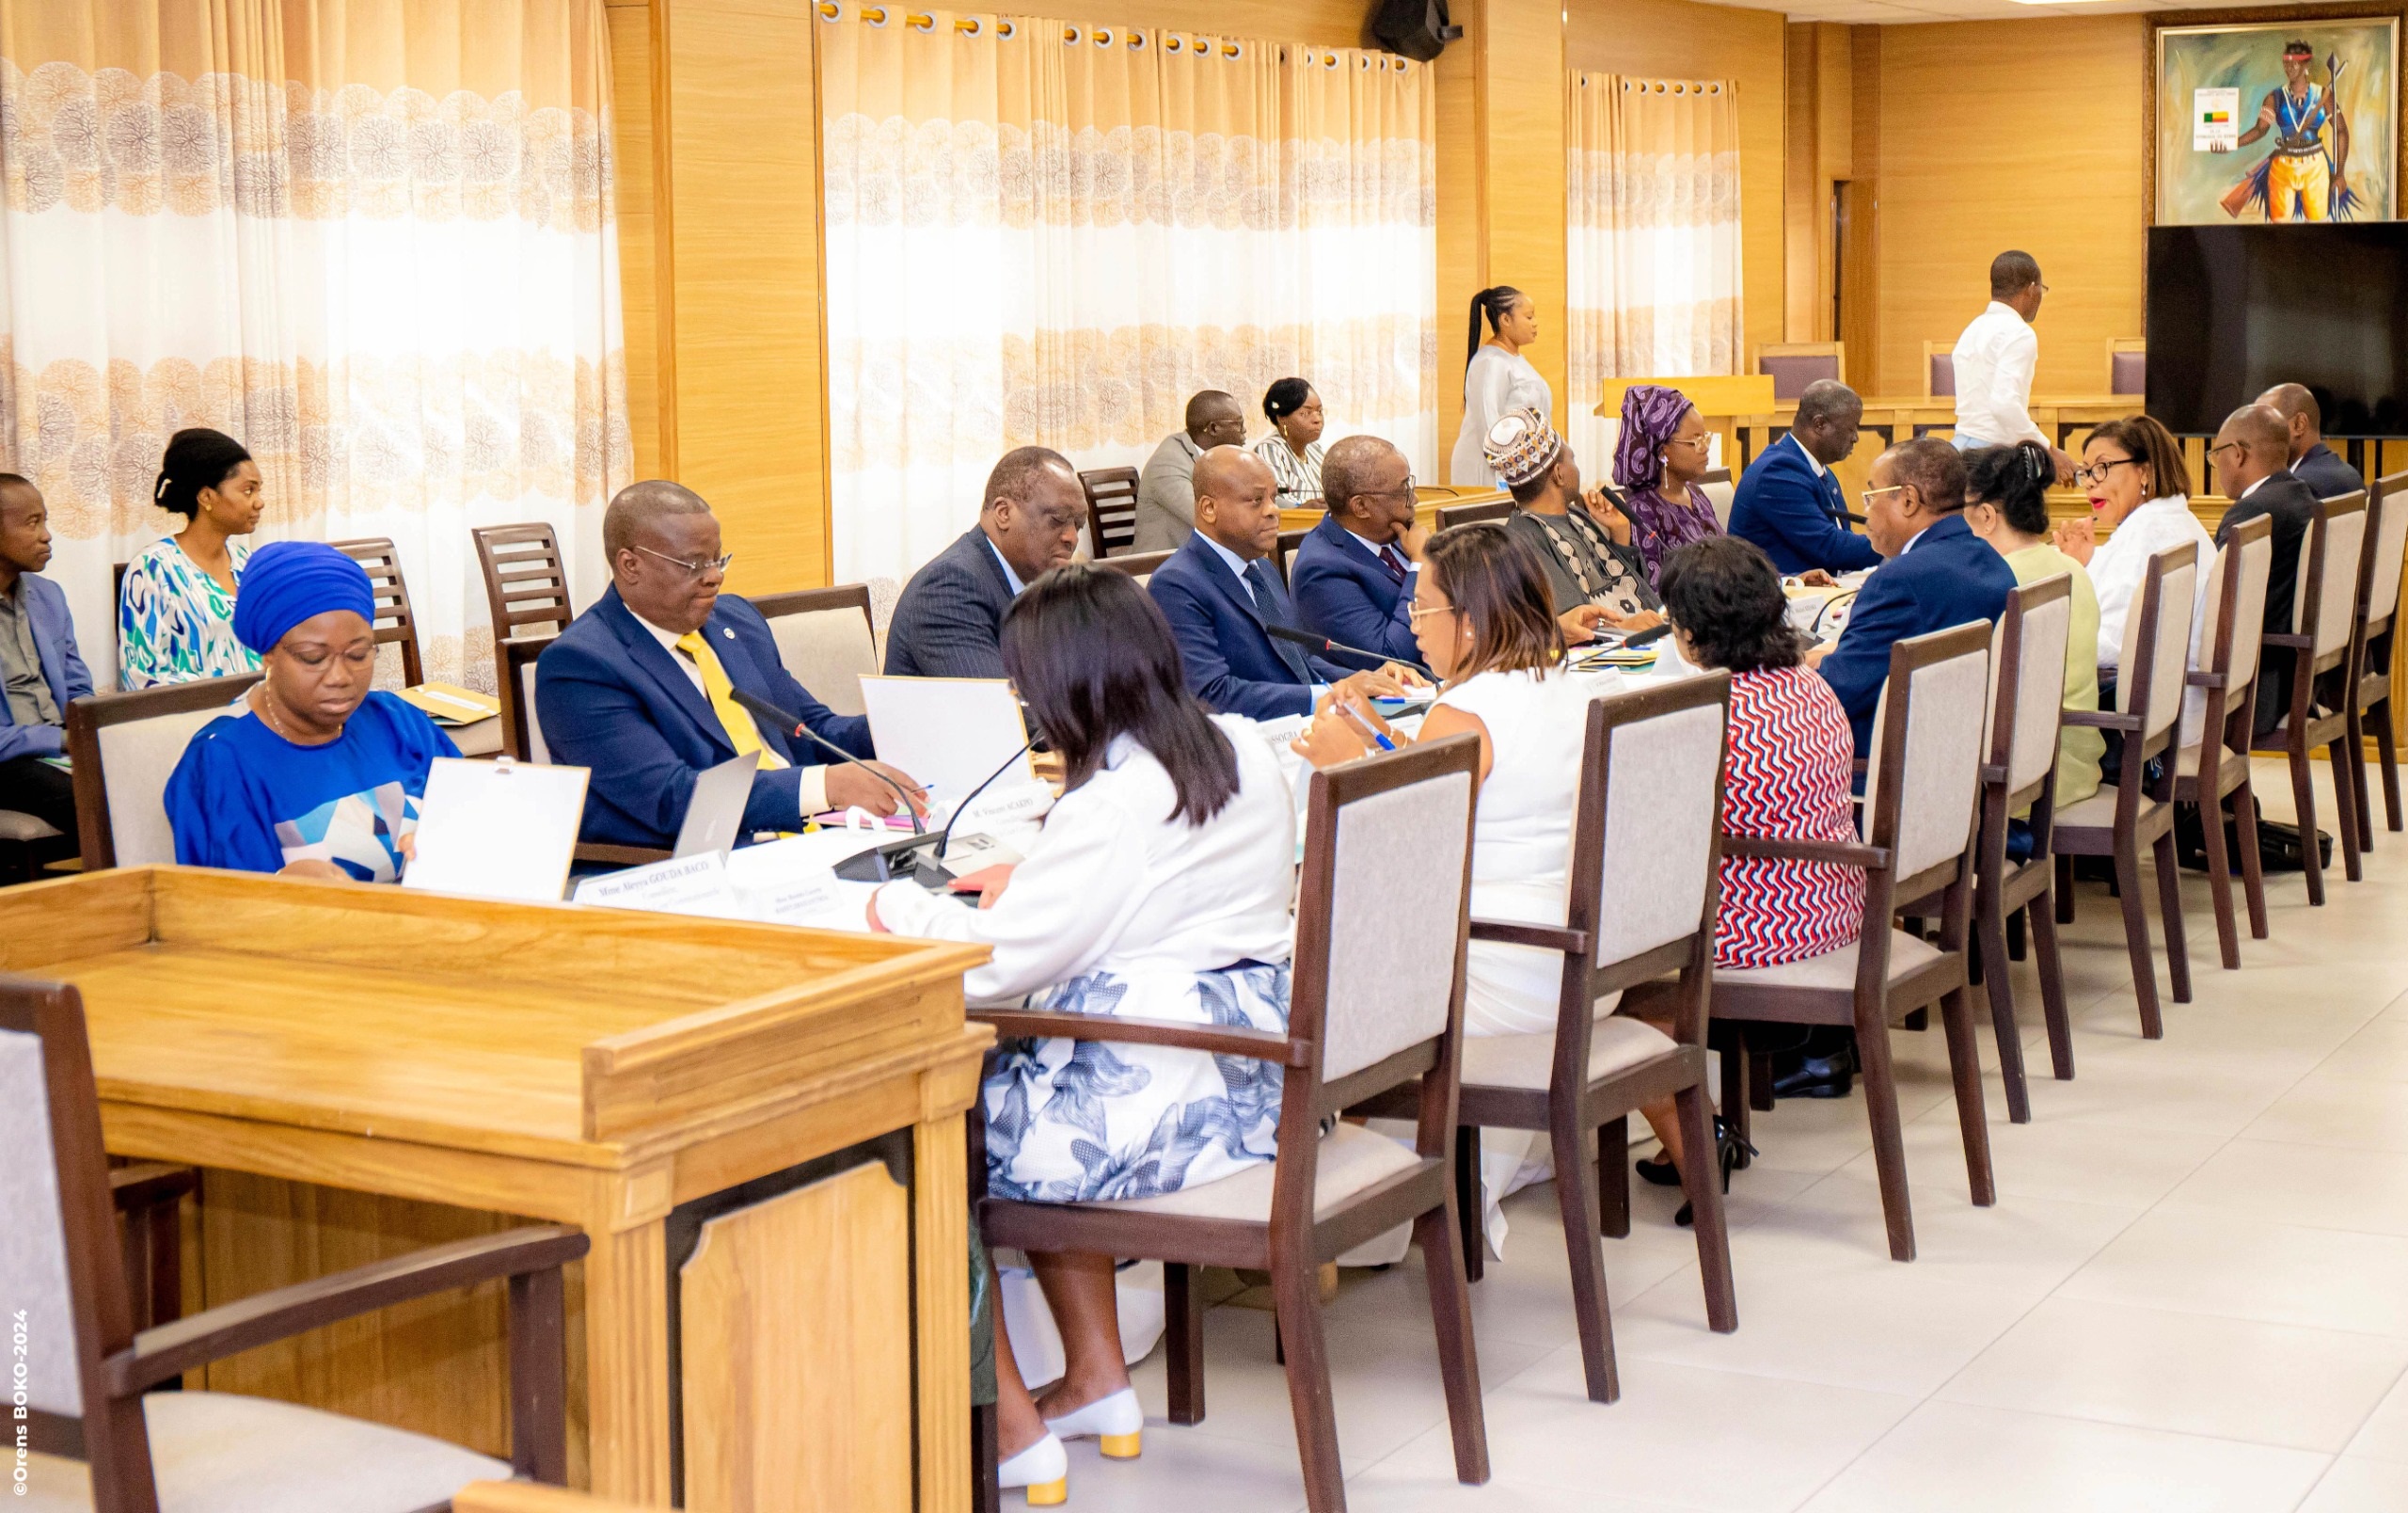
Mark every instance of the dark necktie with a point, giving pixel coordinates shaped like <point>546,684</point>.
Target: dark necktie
<point>1394,564</point>
<point>1266,605</point>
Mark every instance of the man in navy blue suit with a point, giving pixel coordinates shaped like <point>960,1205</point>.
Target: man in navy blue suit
<point>1938,574</point>
<point>949,622</point>
<point>1353,574</point>
<point>1219,592</point>
<point>1787,500</point>
<point>637,688</point>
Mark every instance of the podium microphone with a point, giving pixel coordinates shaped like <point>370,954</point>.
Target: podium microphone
<point>1312,642</point>
<point>760,709</point>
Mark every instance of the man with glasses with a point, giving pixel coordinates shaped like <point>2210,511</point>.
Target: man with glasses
<point>641,689</point>
<point>949,622</point>
<point>2251,456</point>
<point>1353,574</point>
<point>1994,361</point>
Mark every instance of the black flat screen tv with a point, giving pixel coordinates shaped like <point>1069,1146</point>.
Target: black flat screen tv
<point>2235,310</point>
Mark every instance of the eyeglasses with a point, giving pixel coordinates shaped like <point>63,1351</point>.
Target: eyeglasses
<point>1697,441</point>
<point>693,569</point>
<point>2241,447</point>
<point>1416,612</point>
<point>1869,495</point>
<point>1404,490</point>
<point>2096,473</point>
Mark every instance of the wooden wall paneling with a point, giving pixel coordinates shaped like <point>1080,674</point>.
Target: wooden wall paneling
<point>797,1310</point>
<point>1801,195</point>
<point>1461,248</point>
<point>1682,40</point>
<point>651,404</point>
<point>1860,272</point>
<point>2011,133</point>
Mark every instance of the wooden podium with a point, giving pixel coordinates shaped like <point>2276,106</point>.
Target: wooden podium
<point>760,1129</point>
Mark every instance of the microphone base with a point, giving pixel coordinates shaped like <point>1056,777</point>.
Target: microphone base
<point>888,861</point>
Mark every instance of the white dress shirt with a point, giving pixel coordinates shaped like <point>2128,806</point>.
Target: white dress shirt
<point>1994,359</point>
<point>1114,884</point>
<point>813,789</point>
<point>2121,560</point>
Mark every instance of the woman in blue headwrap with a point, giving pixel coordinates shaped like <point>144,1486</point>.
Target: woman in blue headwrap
<point>317,776</point>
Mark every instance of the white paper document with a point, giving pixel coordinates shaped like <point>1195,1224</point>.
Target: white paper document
<point>682,885</point>
<point>949,733</point>
<point>2215,120</point>
<point>497,830</point>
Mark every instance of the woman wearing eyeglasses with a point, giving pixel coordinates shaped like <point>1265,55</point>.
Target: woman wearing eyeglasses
<point>1661,455</point>
<point>2140,491</point>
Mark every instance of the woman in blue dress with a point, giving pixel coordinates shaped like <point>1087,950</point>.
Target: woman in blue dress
<point>1158,889</point>
<point>316,775</point>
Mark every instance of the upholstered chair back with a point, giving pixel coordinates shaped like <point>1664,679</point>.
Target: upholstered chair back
<point>1929,814</point>
<point>32,1240</point>
<point>1662,809</point>
<point>2334,542</point>
<point>825,639</point>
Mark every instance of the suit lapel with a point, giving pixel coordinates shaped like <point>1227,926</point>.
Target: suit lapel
<point>661,665</point>
<point>47,640</point>
<point>744,674</point>
<point>1240,595</point>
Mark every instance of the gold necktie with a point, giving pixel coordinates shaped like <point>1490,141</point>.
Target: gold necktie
<point>732,718</point>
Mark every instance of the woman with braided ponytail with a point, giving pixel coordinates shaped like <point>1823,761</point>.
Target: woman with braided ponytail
<point>1498,379</point>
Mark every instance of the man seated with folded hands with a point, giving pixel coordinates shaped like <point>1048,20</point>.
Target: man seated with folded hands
<point>1223,598</point>
<point>641,689</point>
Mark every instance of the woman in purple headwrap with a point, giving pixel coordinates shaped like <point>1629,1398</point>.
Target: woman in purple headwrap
<point>1662,453</point>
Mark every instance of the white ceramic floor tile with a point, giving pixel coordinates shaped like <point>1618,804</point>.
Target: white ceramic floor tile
<point>2228,1379</point>
<point>2323,1187</point>
<point>2207,1262</point>
<point>2385,1434</point>
<point>2334,1106</point>
<point>2354,1486</point>
<point>1967,1459</point>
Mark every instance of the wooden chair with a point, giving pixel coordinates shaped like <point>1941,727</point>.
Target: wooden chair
<point>1715,484</point>
<point>826,641</point>
<point>2236,618</point>
<point>1454,515</point>
<point>1940,370</point>
<point>1111,510</point>
<point>90,1389</point>
<point>1924,779</point>
<point>396,625</point>
<point>1793,365</point>
<point>1288,542</point>
<point>2020,774</point>
<point>2369,705</point>
<point>526,582</point>
<point>1651,807</point>
<point>2127,365</point>
<point>2320,648</point>
<point>2123,816</point>
<point>1139,566</point>
<point>1376,1003</point>
<point>124,747</point>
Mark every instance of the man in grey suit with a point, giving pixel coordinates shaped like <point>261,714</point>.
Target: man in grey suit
<point>949,621</point>
<point>1166,489</point>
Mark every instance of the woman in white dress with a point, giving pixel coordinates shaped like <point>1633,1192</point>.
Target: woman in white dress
<point>1158,889</point>
<point>1485,619</point>
<point>1498,381</point>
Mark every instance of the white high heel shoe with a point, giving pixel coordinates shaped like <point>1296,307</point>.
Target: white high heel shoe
<point>1043,1468</point>
<point>1117,1423</point>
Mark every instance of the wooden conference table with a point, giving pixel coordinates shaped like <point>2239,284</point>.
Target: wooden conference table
<point>759,1128</point>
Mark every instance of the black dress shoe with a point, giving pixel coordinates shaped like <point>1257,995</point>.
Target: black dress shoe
<point>1728,1147</point>
<point>1819,1076</point>
<point>1659,1172</point>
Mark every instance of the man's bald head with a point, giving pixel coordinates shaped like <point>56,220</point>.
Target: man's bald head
<point>636,511</point>
<point>1237,502</point>
<point>1214,419</point>
<point>2302,416</point>
<point>2254,443</point>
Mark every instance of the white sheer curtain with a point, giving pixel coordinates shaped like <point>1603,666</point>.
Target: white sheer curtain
<point>1053,234</point>
<point>373,243</point>
<point>1651,254</point>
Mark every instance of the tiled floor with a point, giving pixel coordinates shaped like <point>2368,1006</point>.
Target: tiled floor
<point>2193,1292</point>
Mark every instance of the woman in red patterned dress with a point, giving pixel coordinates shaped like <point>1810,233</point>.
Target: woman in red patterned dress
<point>1791,763</point>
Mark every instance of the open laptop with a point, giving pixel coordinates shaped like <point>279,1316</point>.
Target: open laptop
<point>715,815</point>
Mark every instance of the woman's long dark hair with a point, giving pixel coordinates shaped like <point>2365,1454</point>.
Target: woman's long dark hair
<point>1091,653</point>
<point>1493,304</point>
<point>2016,480</point>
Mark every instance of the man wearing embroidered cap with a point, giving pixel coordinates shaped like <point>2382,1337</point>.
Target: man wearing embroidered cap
<point>316,775</point>
<point>1593,572</point>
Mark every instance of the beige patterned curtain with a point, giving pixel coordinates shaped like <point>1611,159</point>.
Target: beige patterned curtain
<point>1041,232</point>
<point>372,239</point>
<point>1653,238</point>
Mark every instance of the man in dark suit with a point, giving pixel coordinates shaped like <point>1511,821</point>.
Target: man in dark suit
<point>638,689</point>
<point>40,672</point>
<point>1788,502</point>
<point>1353,574</point>
<point>2311,460</point>
<point>1219,592</point>
<point>2250,456</point>
<point>1937,573</point>
<point>949,621</point>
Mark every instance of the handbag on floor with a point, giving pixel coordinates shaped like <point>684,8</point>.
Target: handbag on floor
<point>2279,849</point>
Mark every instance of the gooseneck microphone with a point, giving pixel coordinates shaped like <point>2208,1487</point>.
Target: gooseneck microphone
<point>761,708</point>
<point>1307,639</point>
<point>944,838</point>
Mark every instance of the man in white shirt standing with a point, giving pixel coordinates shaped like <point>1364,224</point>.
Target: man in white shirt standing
<point>1994,360</point>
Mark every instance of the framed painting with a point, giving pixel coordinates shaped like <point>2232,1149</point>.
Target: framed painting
<point>2294,120</point>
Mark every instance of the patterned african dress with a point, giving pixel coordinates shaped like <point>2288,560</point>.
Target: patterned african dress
<point>1791,764</point>
<point>1299,478</point>
<point>247,799</point>
<point>175,624</point>
<point>1658,527</point>
<point>1584,563</point>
